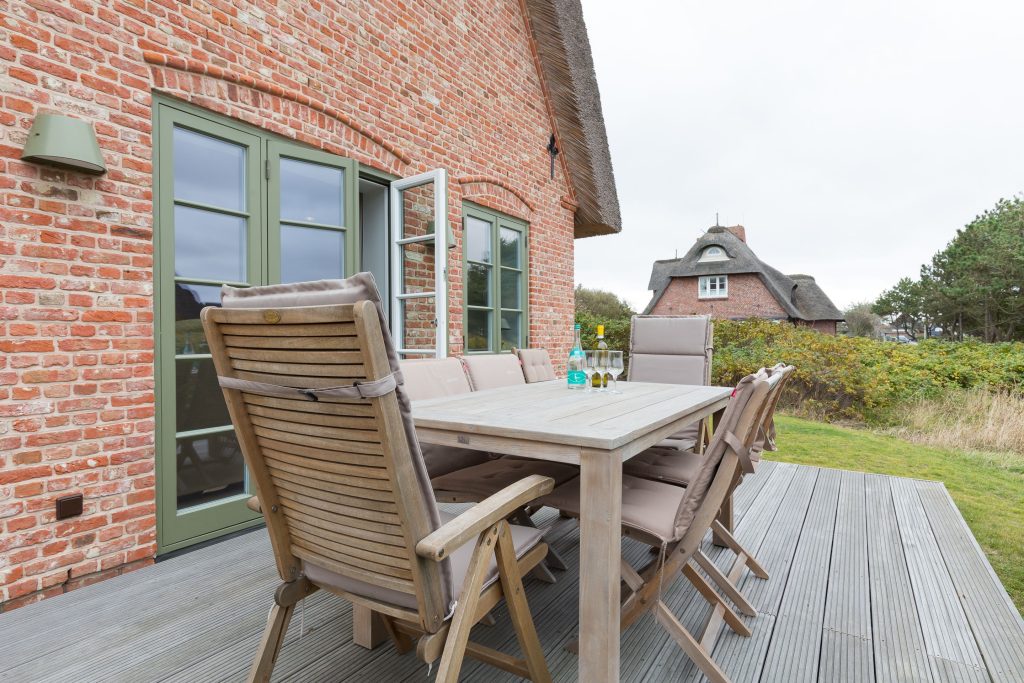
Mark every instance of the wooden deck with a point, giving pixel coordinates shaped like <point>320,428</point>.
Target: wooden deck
<point>873,578</point>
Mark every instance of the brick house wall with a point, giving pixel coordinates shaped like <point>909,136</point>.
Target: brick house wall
<point>748,298</point>
<point>823,326</point>
<point>403,88</point>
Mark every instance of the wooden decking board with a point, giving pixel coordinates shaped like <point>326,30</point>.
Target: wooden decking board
<point>947,633</point>
<point>846,641</point>
<point>96,610</point>
<point>198,617</point>
<point>795,646</point>
<point>997,625</point>
<point>779,544</point>
<point>119,628</point>
<point>898,643</point>
<point>741,658</point>
<point>845,658</point>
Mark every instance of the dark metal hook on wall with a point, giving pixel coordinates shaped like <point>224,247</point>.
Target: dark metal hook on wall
<point>553,151</point>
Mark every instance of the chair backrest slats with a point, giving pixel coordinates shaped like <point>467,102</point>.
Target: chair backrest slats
<point>339,479</point>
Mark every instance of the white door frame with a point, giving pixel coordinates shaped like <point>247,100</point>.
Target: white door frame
<point>439,177</point>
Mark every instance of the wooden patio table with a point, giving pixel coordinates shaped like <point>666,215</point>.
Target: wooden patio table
<point>595,430</point>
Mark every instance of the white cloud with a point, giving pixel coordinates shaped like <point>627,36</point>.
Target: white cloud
<point>851,139</point>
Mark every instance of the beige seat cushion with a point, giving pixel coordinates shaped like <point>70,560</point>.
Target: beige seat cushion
<point>662,464</point>
<point>493,370</point>
<point>537,365</point>
<point>440,460</point>
<point>480,481</point>
<point>523,538</point>
<point>434,378</point>
<point>685,438</point>
<point>647,506</point>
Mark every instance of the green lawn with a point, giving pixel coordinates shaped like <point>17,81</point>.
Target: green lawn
<point>990,497</point>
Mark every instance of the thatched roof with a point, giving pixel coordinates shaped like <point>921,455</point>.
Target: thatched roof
<point>568,68</point>
<point>798,295</point>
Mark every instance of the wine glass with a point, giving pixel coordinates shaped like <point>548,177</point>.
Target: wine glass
<point>615,369</point>
<point>589,366</point>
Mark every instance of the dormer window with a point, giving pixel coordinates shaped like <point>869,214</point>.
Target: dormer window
<point>713,253</point>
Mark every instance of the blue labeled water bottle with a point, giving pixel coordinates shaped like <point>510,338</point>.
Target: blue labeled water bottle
<point>576,377</point>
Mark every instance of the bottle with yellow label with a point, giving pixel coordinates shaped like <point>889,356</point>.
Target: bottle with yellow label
<point>600,378</point>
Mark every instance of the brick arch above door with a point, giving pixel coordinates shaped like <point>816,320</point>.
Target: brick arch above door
<point>495,193</point>
<point>248,98</point>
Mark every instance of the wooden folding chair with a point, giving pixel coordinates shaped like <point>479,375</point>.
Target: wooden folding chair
<point>316,401</point>
<point>679,467</point>
<point>675,520</point>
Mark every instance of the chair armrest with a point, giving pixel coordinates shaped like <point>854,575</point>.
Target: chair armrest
<point>254,504</point>
<point>478,518</point>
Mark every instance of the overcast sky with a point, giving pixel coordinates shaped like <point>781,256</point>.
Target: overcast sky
<point>852,139</point>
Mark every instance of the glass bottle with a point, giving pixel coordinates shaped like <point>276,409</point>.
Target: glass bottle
<point>600,378</point>
<point>577,379</point>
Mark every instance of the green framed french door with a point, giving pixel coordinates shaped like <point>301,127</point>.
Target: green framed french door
<point>234,205</point>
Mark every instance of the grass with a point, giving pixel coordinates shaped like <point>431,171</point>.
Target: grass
<point>988,490</point>
<point>974,419</point>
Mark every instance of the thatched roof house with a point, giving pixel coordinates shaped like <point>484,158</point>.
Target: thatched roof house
<point>721,276</point>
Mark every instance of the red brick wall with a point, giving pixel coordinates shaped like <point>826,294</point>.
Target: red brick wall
<point>404,88</point>
<point>748,298</point>
<point>823,326</point>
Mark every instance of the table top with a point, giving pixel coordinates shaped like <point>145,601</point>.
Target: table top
<point>550,412</point>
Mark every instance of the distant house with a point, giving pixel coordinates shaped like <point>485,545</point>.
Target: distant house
<point>720,276</point>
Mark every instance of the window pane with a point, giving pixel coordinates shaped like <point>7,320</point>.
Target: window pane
<point>478,240</point>
<point>510,288</point>
<point>198,396</point>
<point>418,210</point>
<point>418,268</point>
<point>189,300</point>
<point>478,285</point>
<point>418,328</point>
<point>312,192</point>
<point>209,245</point>
<point>510,330</point>
<point>510,248</point>
<point>311,254</point>
<point>208,170</point>
<point>209,467</point>
<point>478,330</point>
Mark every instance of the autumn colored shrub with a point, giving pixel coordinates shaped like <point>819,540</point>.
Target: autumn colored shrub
<point>861,379</point>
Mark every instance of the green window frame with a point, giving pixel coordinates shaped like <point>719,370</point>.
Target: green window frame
<point>495,281</point>
<point>266,156</point>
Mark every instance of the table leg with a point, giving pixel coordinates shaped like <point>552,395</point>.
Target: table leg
<point>600,555</point>
<point>367,628</point>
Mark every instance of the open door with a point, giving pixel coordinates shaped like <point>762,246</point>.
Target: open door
<point>419,258</point>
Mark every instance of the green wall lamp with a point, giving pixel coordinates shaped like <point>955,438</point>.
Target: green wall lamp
<point>65,142</point>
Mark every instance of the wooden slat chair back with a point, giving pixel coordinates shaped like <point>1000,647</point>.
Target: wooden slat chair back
<point>673,350</point>
<point>318,406</point>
